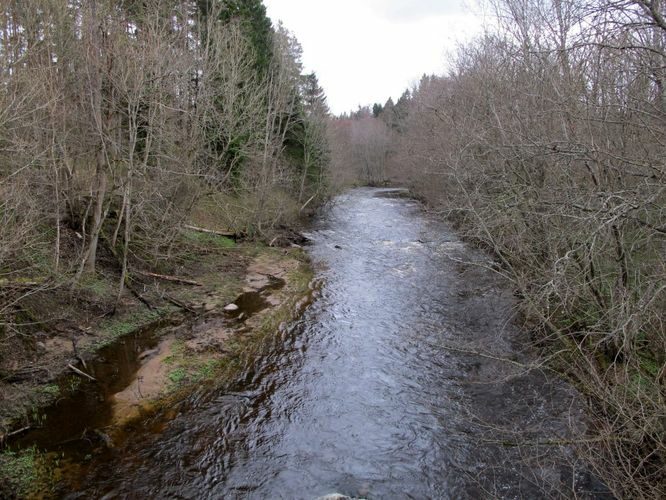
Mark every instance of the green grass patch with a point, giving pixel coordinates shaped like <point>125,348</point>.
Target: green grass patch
<point>114,328</point>
<point>206,370</point>
<point>178,376</point>
<point>209,240</point>
<point>189,366</point>
<point>51,389</point>
<point>177,354</point>
<point>98,286</point>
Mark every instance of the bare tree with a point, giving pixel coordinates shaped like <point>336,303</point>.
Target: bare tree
<point>546,144</point>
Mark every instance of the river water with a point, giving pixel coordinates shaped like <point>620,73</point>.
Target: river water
<point>406,378</point>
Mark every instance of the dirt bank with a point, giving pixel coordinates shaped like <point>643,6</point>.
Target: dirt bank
<point>86,375</point>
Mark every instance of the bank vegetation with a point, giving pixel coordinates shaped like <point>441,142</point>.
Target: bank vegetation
<point>137,140</point>
<point>545,143</point>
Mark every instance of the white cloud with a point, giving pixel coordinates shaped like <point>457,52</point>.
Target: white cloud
<point>366,51</point>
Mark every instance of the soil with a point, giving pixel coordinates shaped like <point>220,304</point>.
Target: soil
<point>59,327</point>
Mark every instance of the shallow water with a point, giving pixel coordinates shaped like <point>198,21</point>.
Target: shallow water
<point>377,391</point>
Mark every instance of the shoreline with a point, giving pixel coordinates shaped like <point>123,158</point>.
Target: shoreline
<point>165,357</point>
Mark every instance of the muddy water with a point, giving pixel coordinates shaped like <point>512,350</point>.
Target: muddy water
<point>378,391</point>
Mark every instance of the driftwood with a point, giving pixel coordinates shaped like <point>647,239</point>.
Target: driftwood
<point>165,277</point>
<point>79,372</point>
<point>227,234</point>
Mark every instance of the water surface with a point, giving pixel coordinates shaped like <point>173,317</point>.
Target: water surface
<point>377,391</point>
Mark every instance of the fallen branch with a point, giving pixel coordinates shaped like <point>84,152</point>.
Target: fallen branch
<point>165,277</point>
<point>4,283</point>
<point>134,292</point>
<point>5,437</point>
<point>227,234</point>
<point>79,372</point>
<point>180,304</point>
<point>308,202</point>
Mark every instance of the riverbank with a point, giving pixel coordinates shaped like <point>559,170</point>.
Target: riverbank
<point>620,381</point>
<point>406,377</point>
<point>87,377</point>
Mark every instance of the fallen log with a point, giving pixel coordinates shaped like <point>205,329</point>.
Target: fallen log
<point>174,279</point>
<point>227,234</point>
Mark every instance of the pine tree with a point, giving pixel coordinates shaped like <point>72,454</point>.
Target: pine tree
<point>377,110</point>
<point>313,137</point>
<point>252,15</point>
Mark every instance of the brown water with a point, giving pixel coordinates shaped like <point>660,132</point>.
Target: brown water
<point>374,392</point>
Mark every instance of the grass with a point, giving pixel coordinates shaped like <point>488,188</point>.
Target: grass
<point>98,286</point>
<point>178,376</point>
<point>188,366</point>
<point>207,370</point>
<point>113,328</point>
<point>206,239</point>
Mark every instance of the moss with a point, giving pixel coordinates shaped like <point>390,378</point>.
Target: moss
<point>177,354</point>
<point>51,389</point>
<point>72,384</point>
<point>25,473</point>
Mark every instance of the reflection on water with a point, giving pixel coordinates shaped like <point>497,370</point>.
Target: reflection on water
<point>376,391</point>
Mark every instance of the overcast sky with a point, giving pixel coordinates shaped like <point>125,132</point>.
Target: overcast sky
<point>364,51</point>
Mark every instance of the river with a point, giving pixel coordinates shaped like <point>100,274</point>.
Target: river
<point>406,378</point>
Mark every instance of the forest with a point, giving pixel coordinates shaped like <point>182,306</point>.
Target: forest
<point>130,128</point>
<point>139,140</point>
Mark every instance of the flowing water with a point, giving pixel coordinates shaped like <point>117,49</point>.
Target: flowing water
<point>404,379</point>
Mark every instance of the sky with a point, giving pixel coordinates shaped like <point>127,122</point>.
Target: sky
<point>365,51</point>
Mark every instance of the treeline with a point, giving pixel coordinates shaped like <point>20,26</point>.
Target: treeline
<point>546,143</point>
<point>362,141</point>
<point>119,119</point>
